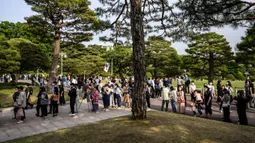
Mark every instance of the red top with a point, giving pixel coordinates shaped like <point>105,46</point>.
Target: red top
<point>95,97</point>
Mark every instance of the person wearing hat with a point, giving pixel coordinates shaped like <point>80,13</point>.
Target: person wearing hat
<point>72,94</point>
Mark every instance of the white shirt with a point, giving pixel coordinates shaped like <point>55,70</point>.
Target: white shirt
<point>192,88</point>
<point>179,81</point>
<point>173,95</point>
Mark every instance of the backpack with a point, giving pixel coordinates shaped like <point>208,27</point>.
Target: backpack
<point>44,100</point>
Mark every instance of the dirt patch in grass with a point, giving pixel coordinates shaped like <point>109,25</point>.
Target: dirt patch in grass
<point>159,127</point>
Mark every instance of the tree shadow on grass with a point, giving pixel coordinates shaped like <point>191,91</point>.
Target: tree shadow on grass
<point>159,127</point>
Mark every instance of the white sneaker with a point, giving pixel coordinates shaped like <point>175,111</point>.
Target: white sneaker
<point>20,122</point>
<point>97,112</point>
<point>220,111</point>
<point>107,110</point>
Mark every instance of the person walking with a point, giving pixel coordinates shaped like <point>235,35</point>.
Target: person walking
<point>22,103</point>
<point>181,100</point>
<point>72,94</point>
<point>208,102</point>
<point>173,98</point>
<point>166,98</point>
<point>44,100</point>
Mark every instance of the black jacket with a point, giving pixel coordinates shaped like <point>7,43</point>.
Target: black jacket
<point>72,94</point>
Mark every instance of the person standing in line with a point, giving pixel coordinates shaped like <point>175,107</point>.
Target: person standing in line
<point>225,105</point>
<point>197,103</point>
<point>118,95</point>
<point>241,107</point>
<point>29,92</point>
<point>230,90</point>
<point>187,83</point>
<point>181,100</point>
<point>62,94</point>
<point>79,94</point>
<point>192,89</point>
<point>208,102</point>
<point>173,98</point>
<point>95,98</point>
<point>38,106</point>
<point>148,95</point>
<point>107,97</point>
<point>220,95</point>
<point>22,103</point>
<point>179,82</point>
<point>166,98</point>
<point>247,91</point>
<point>15,101</point>
<point>44,100</point>
<point>251,92</point>
<point>72,94</point>
<point>111,89</point>
<point>55,102</point>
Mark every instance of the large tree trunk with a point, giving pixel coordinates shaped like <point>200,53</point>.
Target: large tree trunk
<point>211,68</point>
<point>54,62</point>
<point>138,96</point>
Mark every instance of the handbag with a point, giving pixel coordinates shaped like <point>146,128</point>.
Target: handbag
<point>20,112</point>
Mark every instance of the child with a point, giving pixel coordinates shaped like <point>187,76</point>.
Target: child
<point>95,98</point>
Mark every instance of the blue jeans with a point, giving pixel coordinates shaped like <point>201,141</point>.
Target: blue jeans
<point>173,103</point>
<point>118,100</point>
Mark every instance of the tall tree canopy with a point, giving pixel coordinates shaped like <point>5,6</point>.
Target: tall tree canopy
<point>209,52</point>
<point>161,57</point>
<point>69,20</point>
<point>207,13</point>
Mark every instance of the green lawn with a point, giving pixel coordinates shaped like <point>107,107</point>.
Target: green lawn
<point>7,90</point>
<point>158,128</point>
<point>200,84</point>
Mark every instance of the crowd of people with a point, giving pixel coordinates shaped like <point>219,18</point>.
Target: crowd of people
<point>116,93</point>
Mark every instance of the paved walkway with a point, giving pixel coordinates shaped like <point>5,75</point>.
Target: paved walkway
<point>10,130</point>
<point>156,105</point>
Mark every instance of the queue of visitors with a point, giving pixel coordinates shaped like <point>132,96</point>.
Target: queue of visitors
<point>117,93</point>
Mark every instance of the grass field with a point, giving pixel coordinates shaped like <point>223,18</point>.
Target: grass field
<point>7,90</point>
<point>199,84</point>
<point>159,127</point>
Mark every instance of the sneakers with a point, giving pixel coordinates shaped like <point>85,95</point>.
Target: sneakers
<point>71,115</point>
<point>20,121</point>
<point>107,110</point>
<point>97,112</point>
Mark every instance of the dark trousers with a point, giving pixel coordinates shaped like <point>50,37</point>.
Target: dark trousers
<point>51,106</point>
<point>208,109</point>
<point>163,105</point>
<point>38,109</point>
<point>242,116</point>
<point>72,107</point>
<point>15,110</point>
<point>55,107</point>
<point>148,101</point>
<point>62,100</point>
<point>221,105</point>
<point>198,107</point>
<point>95,107</point>
<point>115,99</point>
<point>158,93</point>
<point>118,100</point>
<point>44,110</point>
<point>226,114</point>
